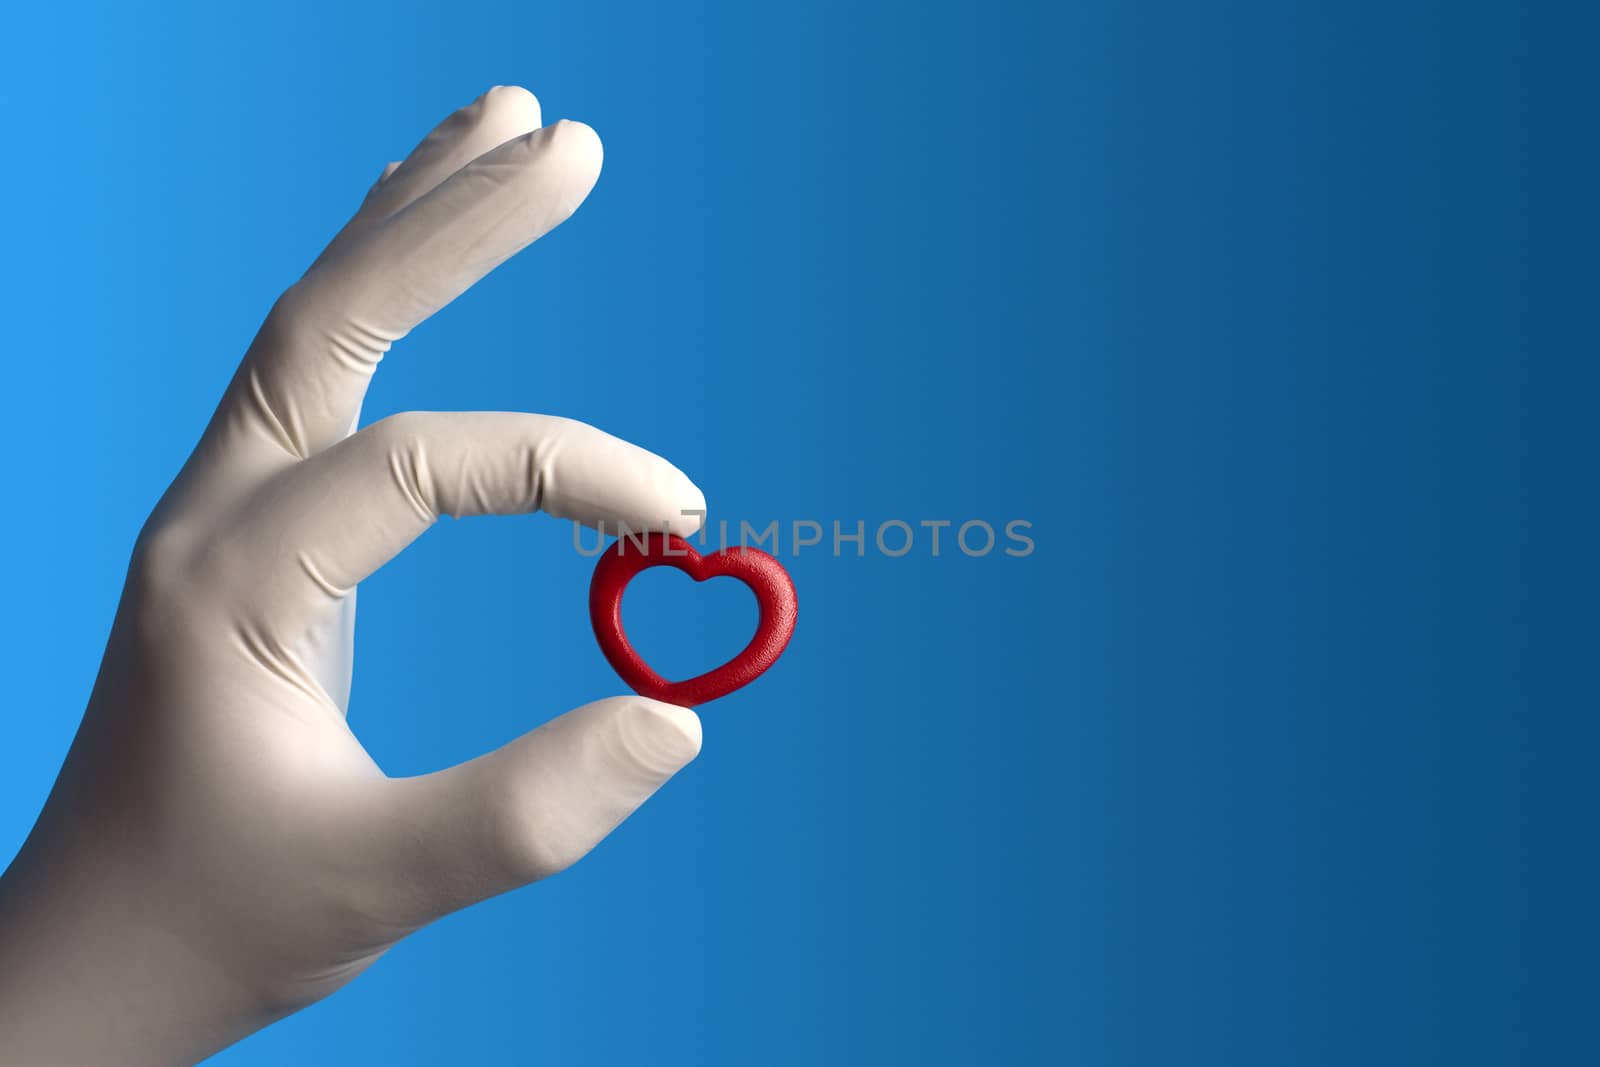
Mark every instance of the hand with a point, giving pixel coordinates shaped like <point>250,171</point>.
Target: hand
<point>219,850</point>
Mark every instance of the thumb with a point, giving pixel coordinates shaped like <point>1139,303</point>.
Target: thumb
<point>534,807</point>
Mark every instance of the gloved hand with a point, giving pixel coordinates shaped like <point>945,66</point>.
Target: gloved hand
<point>219,850</point>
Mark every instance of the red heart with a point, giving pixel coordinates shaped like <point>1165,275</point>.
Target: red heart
<point>764,575</point>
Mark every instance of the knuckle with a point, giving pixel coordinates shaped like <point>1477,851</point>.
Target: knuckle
<point>291,305</point>
<point>403,432</point>
<point>293,315</point>
<point>402,439</point>
<point>158,558</point>
<point>404,427</point>
<point>405,423</point>
<point>163,581</point>
<point>555,432</point>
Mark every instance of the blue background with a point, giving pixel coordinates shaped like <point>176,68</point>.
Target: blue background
<point>1276,320</point>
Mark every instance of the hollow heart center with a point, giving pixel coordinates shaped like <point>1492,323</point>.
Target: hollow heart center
<point>684,628</point>
<point>774,593</point>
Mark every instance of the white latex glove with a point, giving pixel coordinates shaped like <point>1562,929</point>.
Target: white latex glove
<point>219,850</point>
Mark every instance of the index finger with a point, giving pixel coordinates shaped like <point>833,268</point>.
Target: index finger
<point>301,384</point>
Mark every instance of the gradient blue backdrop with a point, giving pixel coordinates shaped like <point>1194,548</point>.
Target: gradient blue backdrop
<point>1276,320</point>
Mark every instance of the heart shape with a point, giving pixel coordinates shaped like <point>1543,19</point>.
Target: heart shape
<point>762,573</point>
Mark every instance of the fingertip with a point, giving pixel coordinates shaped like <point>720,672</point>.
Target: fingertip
<point>578,146</point>
<point>660,738</point>
<point>691,512</point>
<point>509,95</point>
<point>510,105</point>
